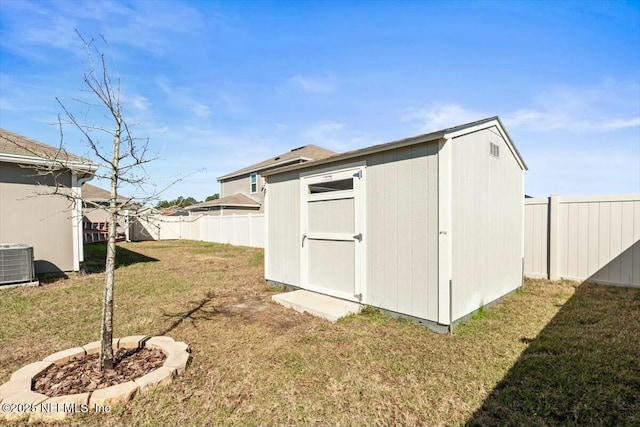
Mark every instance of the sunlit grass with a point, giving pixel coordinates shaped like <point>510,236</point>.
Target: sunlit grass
<point>255,362</point>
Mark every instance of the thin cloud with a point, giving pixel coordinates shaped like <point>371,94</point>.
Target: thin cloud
<point>324,134</point>
<point>608,106</point>
<point>335,136</point>
<point>604,107</point>
<point>149,26</point>
<point>181,96</point>
<point>324,84</point>
<point>440,116</point>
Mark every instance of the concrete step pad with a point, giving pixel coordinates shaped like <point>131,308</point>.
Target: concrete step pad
<point>316,304</point>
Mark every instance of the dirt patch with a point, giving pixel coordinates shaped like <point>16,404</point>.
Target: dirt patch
<point>84,375</point>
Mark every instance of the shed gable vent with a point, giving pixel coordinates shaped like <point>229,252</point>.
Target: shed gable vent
<point>494,150</point>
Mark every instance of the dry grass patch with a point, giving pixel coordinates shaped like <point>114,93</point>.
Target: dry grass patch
<point>255,362</point>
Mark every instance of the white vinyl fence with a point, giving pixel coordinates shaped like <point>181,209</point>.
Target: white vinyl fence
<point>593,238</point>
<point>242,230</point>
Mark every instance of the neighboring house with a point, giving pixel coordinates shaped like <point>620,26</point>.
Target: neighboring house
<point>30,213</point>
<point>429,227</point>
<point>95,217</point>
<point>241,191</point>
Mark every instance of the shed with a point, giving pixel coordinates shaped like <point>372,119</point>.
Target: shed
<point>428,227</point>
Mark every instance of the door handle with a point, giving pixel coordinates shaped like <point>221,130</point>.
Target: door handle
<point>304,236</point>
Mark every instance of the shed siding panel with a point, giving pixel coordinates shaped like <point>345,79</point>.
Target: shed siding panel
<point>402,230</point>
<point>283,253</point>
<point>416,215</point>
<point>31,216</point>
<point>375,225</point>
<point>432,232</point>
<point>389,192</point>
<point>406,224</point>
<point>487,212</point>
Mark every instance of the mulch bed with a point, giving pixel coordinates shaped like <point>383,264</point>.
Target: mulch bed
<point>84,375</point>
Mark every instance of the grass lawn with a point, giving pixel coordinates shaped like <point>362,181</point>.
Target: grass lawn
<point>554,353</point>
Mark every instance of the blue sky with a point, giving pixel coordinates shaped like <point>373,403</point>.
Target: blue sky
<point>218,85</point>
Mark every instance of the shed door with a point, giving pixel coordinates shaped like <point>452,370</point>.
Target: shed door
<point>332,233</point>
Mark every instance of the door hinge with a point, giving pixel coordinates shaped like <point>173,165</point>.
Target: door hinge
<point>358,237</point>
<point>358,174</point>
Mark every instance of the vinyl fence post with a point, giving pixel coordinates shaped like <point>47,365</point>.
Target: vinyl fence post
<point>554,236</point>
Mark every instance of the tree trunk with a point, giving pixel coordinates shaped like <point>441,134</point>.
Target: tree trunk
<point>106,350</point>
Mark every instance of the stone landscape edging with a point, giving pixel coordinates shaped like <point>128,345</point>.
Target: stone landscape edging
<point>19,401</point>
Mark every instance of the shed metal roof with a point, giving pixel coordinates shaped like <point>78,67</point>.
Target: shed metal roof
<point>432,136</point>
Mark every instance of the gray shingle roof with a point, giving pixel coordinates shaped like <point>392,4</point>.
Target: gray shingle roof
<point>307,152</point>
<point>93,193</point>
<point>15,144</point>
<point>229,201</point>
<point>432,136</point>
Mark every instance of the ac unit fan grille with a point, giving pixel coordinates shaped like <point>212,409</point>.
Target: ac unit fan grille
<point>16,263</point>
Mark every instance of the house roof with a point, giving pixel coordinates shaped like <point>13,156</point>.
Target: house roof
<point>17,148</point>
<point>446,133</point>
<point>96,194</point>
<point>305,153</point>
<point>236,200</point>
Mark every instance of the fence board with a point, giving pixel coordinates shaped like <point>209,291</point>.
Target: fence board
<point>242,230</point>
<point>598,238</point>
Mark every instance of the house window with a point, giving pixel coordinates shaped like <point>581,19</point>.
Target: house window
<point>253,179</point>
<point>494,150</point>
<point>325,187</point>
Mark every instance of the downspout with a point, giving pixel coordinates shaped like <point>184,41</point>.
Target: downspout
<point>78,232</point>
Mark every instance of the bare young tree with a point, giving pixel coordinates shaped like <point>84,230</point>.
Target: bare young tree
<point>120,161</point>
<point>117,164</point>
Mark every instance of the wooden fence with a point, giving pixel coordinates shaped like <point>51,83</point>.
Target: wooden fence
<point>594,238</point>
<point>243,230</point>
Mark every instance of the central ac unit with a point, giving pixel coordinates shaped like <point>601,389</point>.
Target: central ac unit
<point>16,263</point>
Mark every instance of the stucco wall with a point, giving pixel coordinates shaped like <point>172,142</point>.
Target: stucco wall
<point>30,215</point>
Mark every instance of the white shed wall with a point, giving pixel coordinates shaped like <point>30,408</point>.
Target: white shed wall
<point>402,233</point>
<point>282,251</point>
<point>487,222</point>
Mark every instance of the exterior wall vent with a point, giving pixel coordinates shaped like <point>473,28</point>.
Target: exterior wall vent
<point>494,150</point>
<point>16,263</point>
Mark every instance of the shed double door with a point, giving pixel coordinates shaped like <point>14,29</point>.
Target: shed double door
<point>332,226</point>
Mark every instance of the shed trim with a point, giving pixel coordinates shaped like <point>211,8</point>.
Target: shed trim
<point>444,231</point>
